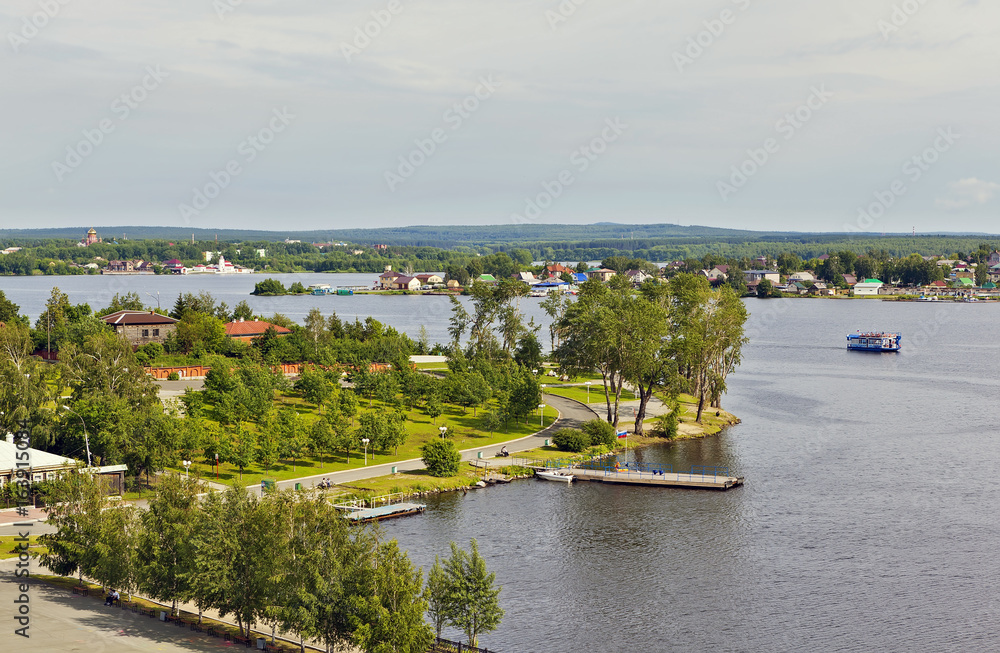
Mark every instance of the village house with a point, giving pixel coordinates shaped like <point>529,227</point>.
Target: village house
<point>994,273</point>
<point>487,278</point>
<point>174,266</point>
<point>386,278</point>
<point>403,282</point>
<point>849,279</point>
<point>141,327</point>
<point>555,270</point>
<point>805,275</point>
<point>797,288</point>
<point>601,274</point>
<point>719,272</point>
<point>993,259</point>
<point>759,275</point>
<point>638,277</point>
<point>867,287</point>
<point>526,277</point>
<point>247,330</point>
<point>430,279</point>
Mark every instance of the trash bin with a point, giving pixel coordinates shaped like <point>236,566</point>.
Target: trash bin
<point>261,643</point>
<point>163,616</point>
<point>298,486</point>
<point>394,470</point>
<point>546,443</point>
<point>479,454</point>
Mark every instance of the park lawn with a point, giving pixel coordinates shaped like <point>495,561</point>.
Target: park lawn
<point>579,393</point>
<point>432,366</point>
<point>710,422</point>
<point>9,546</point>
<point>416,481</point>
<point>462,426</point>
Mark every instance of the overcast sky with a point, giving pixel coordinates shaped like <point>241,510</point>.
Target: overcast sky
<point>783,114</point>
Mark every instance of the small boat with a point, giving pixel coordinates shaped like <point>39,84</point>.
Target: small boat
<point>554,476</point>
<point>874,341</point>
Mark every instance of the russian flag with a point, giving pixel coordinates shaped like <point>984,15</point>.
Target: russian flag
<point>622,434</point>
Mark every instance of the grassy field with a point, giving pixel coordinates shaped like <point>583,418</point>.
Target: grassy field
<point>579,393</point>
<point>462,426</point>
<point>8,546</point>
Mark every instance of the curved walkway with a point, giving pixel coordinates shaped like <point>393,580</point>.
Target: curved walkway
<point>571,415</point>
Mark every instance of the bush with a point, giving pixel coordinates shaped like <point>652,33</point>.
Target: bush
<point>600,432</point>
<point>666,425</point>
<point>571,440</point>
<point>441,457</point>
<point>173,376</point>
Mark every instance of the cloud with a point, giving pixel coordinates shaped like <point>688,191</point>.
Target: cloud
<point>966,193</point>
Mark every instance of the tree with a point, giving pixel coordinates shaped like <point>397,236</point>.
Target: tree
<point>441,457</point>
<point>434,408</point>
<point>165,554</point>
<point>74,505</point>
<point>242,311</point>
<point>9,311</point>
<point>573,440</point>
<point>529,351</point>
<point>197,331</point>
<point>436,594</point>
<point>472,600</point>
<point>236,570</point>
<point>269,287</point>
<point>765,288</point>
<point>239,448</point>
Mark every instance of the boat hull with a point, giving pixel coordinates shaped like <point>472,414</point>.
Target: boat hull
<point>552,476</point>
<point>877,342</point>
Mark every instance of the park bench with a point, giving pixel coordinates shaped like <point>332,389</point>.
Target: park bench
<point>82,591</point>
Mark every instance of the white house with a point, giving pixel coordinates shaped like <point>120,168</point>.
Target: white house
<point>802,276</point>
<point>867,287</point>
<point>758,275</point>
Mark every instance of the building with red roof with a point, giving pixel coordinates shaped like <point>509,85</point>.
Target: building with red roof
<point>247,330</point>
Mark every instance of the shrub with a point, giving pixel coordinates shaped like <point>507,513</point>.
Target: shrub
<point>666,425</point>
<point>173,376</point>
<point>600,432</point>
<point>571,440</point>
<point>441,457</point>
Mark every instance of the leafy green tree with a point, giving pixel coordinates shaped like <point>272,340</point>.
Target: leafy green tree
<point>490,421</point>
<point>348,405</point>
<point>236,570</point>
<point>75,509</point>
<point>573,440</point>
<point>441,457</point>
<point>314,385</point>
<point>239,448</point>
<point>269,287</point>
<point>297,289</point>
<point>10,312</point>
<point>600,432</point>
<point>390,604</point>
<point>473,603</point>
<point>529,351</point>
<point>130,301</point>
<point>433,408</point>
<point>436,593</point>
<point>199,331</point>
<point>243,312</point>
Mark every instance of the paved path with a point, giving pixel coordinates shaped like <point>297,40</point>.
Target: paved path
<point>571,415</point>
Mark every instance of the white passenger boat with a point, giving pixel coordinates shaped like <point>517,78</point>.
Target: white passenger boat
<point>554,476</point>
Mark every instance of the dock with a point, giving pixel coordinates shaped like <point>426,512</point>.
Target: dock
<point>364,515</point>
<point>666,479</point>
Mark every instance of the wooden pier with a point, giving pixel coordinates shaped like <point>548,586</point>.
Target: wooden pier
<point>666,479</point>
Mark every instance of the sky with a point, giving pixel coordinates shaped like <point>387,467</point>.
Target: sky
<point>855,115</point>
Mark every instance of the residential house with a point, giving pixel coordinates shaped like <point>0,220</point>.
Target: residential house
<point>720,272</point>
<point>601,274</point>
<point>247,330</point>
<point>429,279</point>
<point>578,277</point>
<point>174,266</point>
<point>797,288</point>
<point>820,288</point>
<point>526,277</point>
<point>824,257</point>
<point>937,285</point>
<point>759,275</point>
<point>993,259</point>
<point>486,278</point>
<point>386,278</point>
<point>849,279</point>
<point>638,277</point>
<point>964,283</point>
<point>867,287</point>
<point>805,275</point>
<point>141,327</point>
<point>556,270</point>
<point>403,282</point>
<point>994,273</point>
<point>453,285</point>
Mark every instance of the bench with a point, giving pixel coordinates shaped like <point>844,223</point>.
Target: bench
<point>83,591</point>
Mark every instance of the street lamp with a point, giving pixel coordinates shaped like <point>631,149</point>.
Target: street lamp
<point>443,429</point>
<point>186,463</point>
<point>86,438</point>
<point>365,442</point>
<point>541,414</point>
<point>588,384</point>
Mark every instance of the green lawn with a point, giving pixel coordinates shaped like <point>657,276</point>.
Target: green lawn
<point>9,546</point>
<point>579,393</point>
<point>462,426</point>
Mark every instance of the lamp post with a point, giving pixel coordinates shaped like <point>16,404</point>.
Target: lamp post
<point>86,438</point>
<point>443,429</point>
<point>588,384</point>
<point>541,414</point>
<point>157,298</point>
<point>187,464</point>
<point>365,442</point>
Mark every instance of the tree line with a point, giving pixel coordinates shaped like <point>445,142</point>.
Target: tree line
<point>288,561</point>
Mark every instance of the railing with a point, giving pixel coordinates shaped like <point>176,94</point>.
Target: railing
<point>442,645</point>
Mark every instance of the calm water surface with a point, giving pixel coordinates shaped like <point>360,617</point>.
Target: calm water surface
<point>868,520</point>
